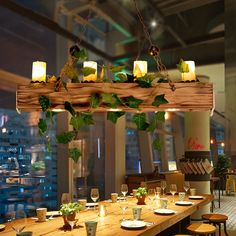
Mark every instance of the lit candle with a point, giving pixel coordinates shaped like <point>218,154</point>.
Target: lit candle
<point>39,71</point>
<point>140,68</point>
<point>191,74</point>
<point>102,211</point>
<point>92,64</point>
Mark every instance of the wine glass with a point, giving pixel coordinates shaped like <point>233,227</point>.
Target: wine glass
<point>163,186</point>
<point>94,195</point>
<point>151,196</point>
<point>186,186</point>
<point>123,206</point>
<point>65,198</point>
<point>173,190</point>
<point>17,219</point>
<point>124,189</point>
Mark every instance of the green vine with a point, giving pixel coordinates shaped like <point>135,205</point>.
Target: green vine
<point>79,120</point>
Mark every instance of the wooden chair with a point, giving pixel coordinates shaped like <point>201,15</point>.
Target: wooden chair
<point>201,229</point>
<point>217,219</point>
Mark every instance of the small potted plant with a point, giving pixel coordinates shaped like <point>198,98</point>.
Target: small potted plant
<point>38,168</point>
<point>69,210</point>
<point>141,195</point>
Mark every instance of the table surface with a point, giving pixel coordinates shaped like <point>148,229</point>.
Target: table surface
<point>110,224</point>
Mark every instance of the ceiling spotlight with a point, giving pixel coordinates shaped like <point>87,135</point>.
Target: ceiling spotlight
<point>153,23</point>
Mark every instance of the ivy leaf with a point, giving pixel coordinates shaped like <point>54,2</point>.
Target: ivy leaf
<point>159,100</point>
<point>44,102</point>
<point>133,102</point>
<point>66,137</point>
<point>74,154</point>
<point>140,120</point>
<point>68,107</point>
<point>157,144</point>
<point>122,77</point>
<point>95,100</point>
<point>81,55</point>
<point>182,66</point>
<point>87,118</point>
<point>160,115</point>
<point>145,81</point>
<point>42,126</point>
<point>115,69</point>
<point>114,116</point>
<point>111,99</point>
<point>48,146</point>
<point>77,122</point>
<point>130,78</point>
<point>88,70</point>
<point>65,85</point>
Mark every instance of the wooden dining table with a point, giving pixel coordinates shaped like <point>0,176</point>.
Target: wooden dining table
<point>111,223</point>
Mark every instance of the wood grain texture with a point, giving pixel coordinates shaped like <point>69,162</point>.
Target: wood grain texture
<point>186,97</point>
<point>110,224</point>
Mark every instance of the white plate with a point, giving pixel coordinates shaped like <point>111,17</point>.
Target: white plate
<point>53,213</point>
<point>133,224</point>
<point>2,227</point>
<point>195,197</point>
<point>91,204</point>
<point>164,211</point>
<point>183,203</point>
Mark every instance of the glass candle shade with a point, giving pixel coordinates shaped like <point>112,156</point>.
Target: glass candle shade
<point>190,76</point>
<point>39,71</point>
<point>140,68</point>
<point>102,211</point>
<point>91,77</point>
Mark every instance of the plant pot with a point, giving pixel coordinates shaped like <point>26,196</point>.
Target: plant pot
<point>38,172</point>
<point>69,217</point>
<point>141,200</point>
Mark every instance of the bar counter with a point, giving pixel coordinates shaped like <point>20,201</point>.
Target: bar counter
<point>110,224</point>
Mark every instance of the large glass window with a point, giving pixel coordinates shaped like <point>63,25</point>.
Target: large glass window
<point>27,170</point>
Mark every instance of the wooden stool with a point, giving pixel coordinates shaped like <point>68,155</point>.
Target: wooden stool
<point>216,219</point>
<point>201,229</point>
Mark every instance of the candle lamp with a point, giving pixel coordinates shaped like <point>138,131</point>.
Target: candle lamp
<point>91,64</point>
<point>102,210</point>
<point>140,68</point>
<point>39,71</point>
<point>190,76</point>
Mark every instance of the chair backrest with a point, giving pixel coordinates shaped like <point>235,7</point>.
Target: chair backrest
<point>175,178</point>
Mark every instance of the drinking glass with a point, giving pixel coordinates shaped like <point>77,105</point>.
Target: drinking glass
<point>17,220</point>
<point>94,194</point>
<point>123,206</point>
<point>158,191</point>
<point>124,189</point>
<point>163,186</point>
<point>173,190</point>
<point>186,186</point>
<point>151,196</point>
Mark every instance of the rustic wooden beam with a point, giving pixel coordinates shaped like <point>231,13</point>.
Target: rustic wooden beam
<point>186,97</point>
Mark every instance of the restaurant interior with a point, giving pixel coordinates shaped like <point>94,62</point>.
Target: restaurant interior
<point>104,103</point>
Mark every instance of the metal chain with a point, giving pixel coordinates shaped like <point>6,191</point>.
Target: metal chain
<point>160,66</point>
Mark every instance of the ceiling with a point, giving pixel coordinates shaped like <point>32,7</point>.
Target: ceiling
<point>182,29</point>
<point>188,29</point>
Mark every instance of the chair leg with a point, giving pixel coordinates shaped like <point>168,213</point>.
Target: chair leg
<point>225,229</point>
